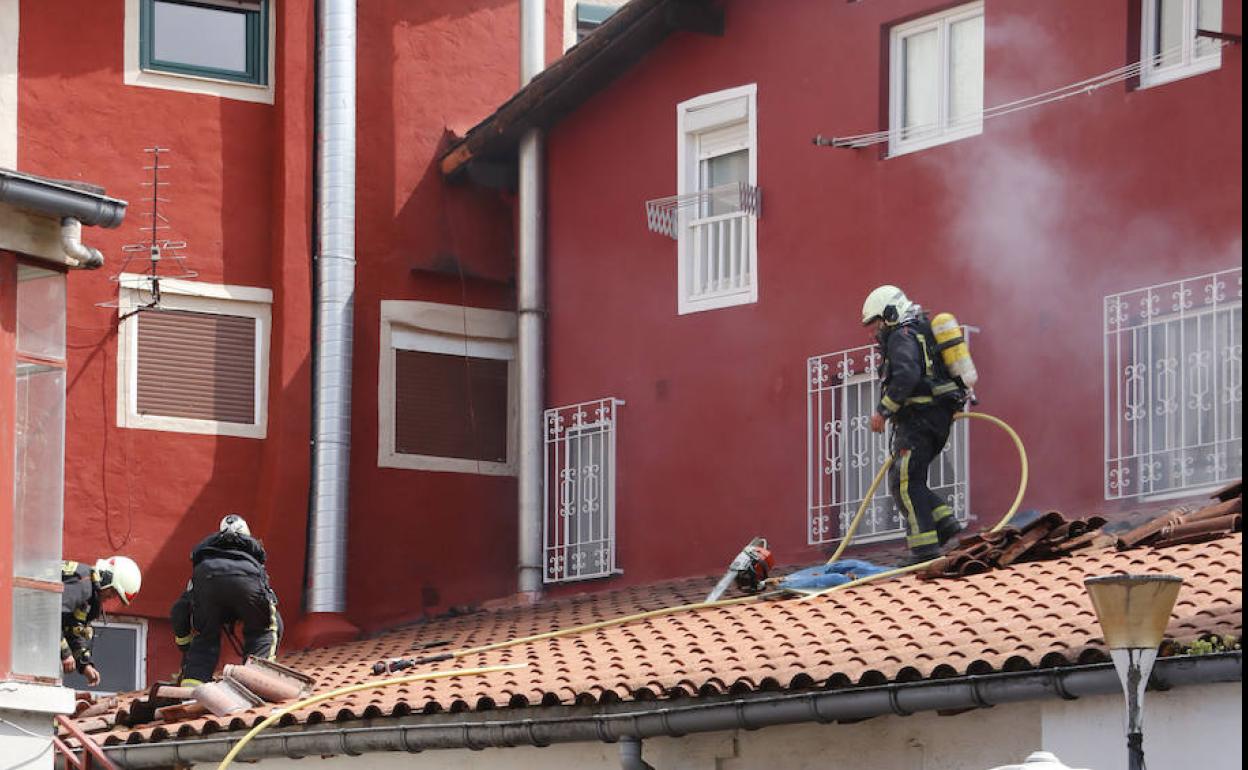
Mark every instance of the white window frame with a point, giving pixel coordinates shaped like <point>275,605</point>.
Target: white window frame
<point>135,75</point>
<point>196,297</point>
<point>139,625</point>
<point>1189,64</point>
<point>694,117</point>
<point>439,328</point>
<point>941,22</point>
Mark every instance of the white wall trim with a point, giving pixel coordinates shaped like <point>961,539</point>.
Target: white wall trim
<point>1188,65</point>
<point>481,333</point>
<point>9,25</point>
<point>135,75</point>
<point>694,116</point>
<point>223,299</point>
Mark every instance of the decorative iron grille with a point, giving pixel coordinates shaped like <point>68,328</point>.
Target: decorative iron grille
<point>1174,386</point>
<point>843,455</point>
<point>579,491</point>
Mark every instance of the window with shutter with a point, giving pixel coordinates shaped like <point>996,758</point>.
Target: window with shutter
<point>200,366</point>
<point>445,385</point>
<point>198,362</point>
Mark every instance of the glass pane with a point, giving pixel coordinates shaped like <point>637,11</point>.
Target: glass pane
<point>966,67</point>
<point>726,169</point>
<point>38,472</point>
<point>116,655</point>
<point>36,632</point>
<point>199,37</point>
<point>921,73</point>
<point>1208,16</point>
<point>40,312</point>
<point>1168,36</point>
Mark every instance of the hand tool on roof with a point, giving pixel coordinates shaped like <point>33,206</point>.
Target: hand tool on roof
<point>749,569</point>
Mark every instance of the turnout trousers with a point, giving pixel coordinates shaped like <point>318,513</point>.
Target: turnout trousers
<point>919,435</point>
<point>225,591</point>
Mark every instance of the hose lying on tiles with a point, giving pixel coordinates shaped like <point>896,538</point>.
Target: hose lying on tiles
<point>398,664</point>
<point>875,483</point>
<point>313,700</point>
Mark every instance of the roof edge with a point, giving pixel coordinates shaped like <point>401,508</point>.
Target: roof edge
<point>56,198</point>
<point>579,724</point>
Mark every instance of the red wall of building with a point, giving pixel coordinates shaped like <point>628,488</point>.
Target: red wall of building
<point>242,199</point>
<point>1021,231</point>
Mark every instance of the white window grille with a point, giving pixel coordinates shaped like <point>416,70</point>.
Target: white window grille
<point>714,214</point>
<point>1174,386</point>
<point>843,455</point>
<point>580,491</point>
<point>936,79</point>
<point>1170,47</point>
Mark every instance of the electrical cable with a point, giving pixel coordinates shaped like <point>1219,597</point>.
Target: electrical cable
<point>1086,86</point>
<point>313,700</point>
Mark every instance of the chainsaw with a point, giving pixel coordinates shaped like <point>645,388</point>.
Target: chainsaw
<point>749,569</point>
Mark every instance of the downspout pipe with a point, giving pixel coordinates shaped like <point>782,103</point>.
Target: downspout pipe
<point>530,307</point>
<point>80,253</point>
<point>334,317</point>
<point>544,727</point>
<point>73,206</point>
<point>630,755</point>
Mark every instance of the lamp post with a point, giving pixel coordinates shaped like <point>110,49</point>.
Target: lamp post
<point>1133,611</point>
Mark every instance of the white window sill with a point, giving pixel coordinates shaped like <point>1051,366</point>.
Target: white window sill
<point>189,425</point>
<point>35,698</point>
<point>897,147</point>
<point>1159,77</point>
<point>391,459</point>
<point>1179,494</point>
<point>718,301</point>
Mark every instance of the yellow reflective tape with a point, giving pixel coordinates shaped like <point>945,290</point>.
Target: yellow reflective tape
<point>190,682</point>
<point>943,388</point>
<point>272,627</point>
<point>183,640</point>
<point>69,567</point>
<point>905,492</point>
<point>919,400</point>
<point>926,538</point>
<point>927,359</point>
<point>941,512</point>
<point>890,404</point>
<point>80,614</point>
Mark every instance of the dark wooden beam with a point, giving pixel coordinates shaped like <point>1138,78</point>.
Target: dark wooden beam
<point>695,16</point>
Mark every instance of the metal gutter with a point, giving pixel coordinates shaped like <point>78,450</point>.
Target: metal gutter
<point>60,200</point>
<point>637,721</point>
<point>335,306</point>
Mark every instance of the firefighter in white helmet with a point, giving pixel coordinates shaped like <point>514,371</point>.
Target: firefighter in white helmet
<point>920,398</point>
<point>228,584</point>
<point>84,589</point>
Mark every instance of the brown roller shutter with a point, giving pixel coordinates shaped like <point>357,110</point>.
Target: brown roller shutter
<point>438,401</point>
<point>197,365</point>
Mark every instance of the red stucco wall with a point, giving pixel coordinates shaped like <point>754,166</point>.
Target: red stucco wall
<point>242,199</point>
<point>1021,231</point>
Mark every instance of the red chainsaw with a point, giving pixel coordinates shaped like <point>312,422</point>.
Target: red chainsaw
<point>749,569</point>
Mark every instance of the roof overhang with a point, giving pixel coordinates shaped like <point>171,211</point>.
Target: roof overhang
<point>585,69</point>
<point>34,209</point>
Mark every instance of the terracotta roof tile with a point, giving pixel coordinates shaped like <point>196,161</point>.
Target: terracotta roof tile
<point>1033,614</point>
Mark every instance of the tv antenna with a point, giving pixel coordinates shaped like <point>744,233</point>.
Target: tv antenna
<point>159,250</point>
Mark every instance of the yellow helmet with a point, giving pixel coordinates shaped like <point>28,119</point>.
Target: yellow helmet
<point>887,303</point>
<point>120,574</point>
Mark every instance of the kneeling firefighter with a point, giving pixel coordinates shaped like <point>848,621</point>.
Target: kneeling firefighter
<point>228,584</point>
<point>920,395</point>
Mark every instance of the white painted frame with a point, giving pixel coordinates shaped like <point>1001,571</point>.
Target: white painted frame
<point>175,294</point>
<point>693,117</point>
<point>941,22</point>
<point>8,82</point>
<point>1189,64</point>
<point>135,75</point>
<point>139,625</point>
<point>439,328</point>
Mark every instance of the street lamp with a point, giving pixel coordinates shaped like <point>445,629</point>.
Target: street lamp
<point>1134,611</point>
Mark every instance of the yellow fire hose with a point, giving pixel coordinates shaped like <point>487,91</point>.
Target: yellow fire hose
<point>879,477</point>
<point>875,483</point>
<point>284,710</point>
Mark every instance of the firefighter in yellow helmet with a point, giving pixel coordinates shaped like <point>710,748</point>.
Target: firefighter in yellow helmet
<point>920,398</point>
<point>84,589</point>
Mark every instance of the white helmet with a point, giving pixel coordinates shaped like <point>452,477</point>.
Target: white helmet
<point>235,524</point>
<point>887,302</point>
<point>120,574</point>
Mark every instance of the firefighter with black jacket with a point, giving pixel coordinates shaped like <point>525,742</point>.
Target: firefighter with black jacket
<point>84,589</point>
<point>228,584</point>
<point>920,398</point>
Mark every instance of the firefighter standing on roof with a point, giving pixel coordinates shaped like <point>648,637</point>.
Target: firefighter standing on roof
<point>228,584</point>
<point>920,398</point>
<point>84,589</point>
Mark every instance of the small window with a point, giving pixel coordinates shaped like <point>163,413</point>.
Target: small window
<point>195,363</point>
<point>717,156</point>
<point>119,649</point>
<point>446,384</point>
<point>1170,47</point>
<point>219,39</point>
<point>936,92</point>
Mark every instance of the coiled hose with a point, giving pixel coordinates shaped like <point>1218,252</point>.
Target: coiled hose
<point>845,541</point>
